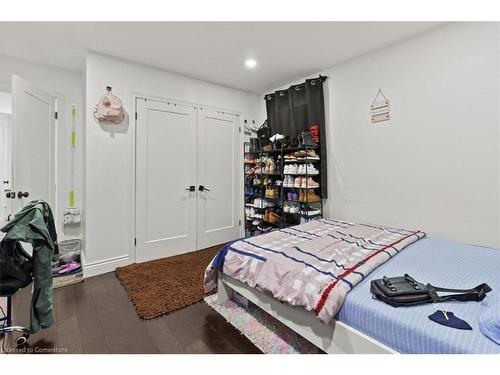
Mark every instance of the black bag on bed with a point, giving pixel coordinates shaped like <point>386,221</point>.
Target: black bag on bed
<point>405,291</point>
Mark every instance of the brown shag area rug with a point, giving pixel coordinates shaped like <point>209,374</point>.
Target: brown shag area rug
<point>163,285</point>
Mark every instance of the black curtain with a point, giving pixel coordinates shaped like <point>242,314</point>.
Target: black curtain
<point>293,111</point>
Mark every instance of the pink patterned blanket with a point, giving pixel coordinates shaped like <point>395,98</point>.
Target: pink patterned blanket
<point>312,265</point>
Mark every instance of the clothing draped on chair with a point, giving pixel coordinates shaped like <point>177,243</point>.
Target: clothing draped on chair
<point>34,224</point>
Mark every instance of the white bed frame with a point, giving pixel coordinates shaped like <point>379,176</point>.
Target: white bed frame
<point>336,337</point>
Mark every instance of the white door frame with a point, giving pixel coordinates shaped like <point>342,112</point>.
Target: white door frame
<point>133,159</point>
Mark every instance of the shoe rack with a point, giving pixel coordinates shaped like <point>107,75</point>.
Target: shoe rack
<point>268,189</point>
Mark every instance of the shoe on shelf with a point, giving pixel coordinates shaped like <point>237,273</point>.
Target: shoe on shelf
<point>310,169</point>
<point>292,169</point>
<point>306,140</point>
<point>311,155</point>
<point>278,183</point>
<point>256,222</point>
<point>310,212</point>
<point>294,208</point>
<point>273,217</point>
<point>311,196</point>
<point>267,204</point>
<point>257,203</point>
<point>301,169</point>
<point>250,172</point>
<point>302,195</point>
<point>286,181</point>
<point>266,215</point>
<point>295,195</point>
<point>286,207</point>
<point>289,195</point>
<point>309,183</point>
<point>249,159</point>
<point>267,148</point>
<point>298,182</point>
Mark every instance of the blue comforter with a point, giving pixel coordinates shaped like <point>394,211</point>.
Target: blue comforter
<point>408,329</point>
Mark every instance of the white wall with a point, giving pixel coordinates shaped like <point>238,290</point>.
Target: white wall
<point>67,87</point>
<point>109,161</point>
<point>435,165</point>
<point>5,102</point>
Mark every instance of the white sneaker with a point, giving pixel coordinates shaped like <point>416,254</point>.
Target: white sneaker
<point>311,170</point>
<point>267,204</point>
<point>257,202</point>
<point>301,169</point>
<point>286,208</point>
<point>292,169</point>
<point>298,182</point>
<point>289,181</point>
<point>294,208</point>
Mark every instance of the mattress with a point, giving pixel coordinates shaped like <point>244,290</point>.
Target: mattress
<point>408,329</point>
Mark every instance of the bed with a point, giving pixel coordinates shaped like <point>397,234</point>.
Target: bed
<point>364,325</point>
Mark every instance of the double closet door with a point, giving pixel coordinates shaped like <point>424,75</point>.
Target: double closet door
<point>186,178</point>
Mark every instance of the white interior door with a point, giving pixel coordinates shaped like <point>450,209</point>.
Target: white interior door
<point>33,146</point>
<point>5,165</point>
<point>165,169</point>
<point>218,166</point>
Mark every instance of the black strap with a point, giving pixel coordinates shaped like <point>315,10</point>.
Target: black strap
<point>475,294</point>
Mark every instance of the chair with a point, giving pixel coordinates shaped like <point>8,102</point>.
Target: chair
<point>8,290</point>
<point>16,270</point>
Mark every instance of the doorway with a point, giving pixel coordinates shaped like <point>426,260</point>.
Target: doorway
<point>186,178</point>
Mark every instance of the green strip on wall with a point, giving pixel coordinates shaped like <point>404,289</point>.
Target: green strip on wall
<point>72,199</point>
<point>73,139</point>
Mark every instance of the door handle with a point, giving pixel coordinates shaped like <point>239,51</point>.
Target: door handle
<point>191,188</point>
<point>10,195</point>
<point>203,188</point>
<point>20,194</point>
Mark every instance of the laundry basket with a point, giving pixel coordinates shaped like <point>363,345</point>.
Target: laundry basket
<point>68,269</point>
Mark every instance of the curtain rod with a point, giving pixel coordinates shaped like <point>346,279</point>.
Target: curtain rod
<point>323,79</point>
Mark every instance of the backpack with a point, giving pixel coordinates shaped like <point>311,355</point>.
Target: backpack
<point>406,291</point>
<point>109,108</point>
<point>15,263</point>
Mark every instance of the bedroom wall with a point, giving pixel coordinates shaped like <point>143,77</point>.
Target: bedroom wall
<point>68,88</point>
<point>435,165</point>
<point>109,160</point>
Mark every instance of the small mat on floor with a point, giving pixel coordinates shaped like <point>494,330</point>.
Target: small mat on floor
<point>164,285</point>
<point>265,332</point>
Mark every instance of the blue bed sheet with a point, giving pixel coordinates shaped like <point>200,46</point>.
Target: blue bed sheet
<point>408,329</point>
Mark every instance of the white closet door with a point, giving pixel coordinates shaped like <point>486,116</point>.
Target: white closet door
<point>33,146</point>
<point>166,167</point>
<point>218,166</point>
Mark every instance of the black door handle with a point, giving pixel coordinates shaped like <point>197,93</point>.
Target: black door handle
<point>11,195</point>
<point>191,188</point>
<point>203,188</point>
<point>20,194</point>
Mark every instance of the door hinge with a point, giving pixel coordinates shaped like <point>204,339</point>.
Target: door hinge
<point>136,116</point>
<point>239,127</point>
<point>135,241</point>
<point>239,223</point>
<point>55,115</point>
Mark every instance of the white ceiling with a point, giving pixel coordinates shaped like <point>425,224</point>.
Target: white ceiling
<point>212,51</point>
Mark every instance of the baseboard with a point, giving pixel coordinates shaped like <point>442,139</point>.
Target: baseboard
<point>104,266</point>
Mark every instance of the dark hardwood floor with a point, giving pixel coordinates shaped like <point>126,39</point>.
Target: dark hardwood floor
<point>96,316</point>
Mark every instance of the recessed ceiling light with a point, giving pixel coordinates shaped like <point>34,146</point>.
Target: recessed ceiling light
<point>250,63</point>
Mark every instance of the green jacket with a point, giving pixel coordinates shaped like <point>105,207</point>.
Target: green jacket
<point>34,224</point>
